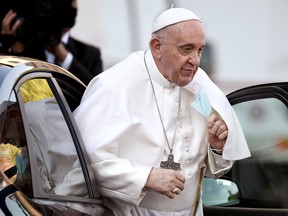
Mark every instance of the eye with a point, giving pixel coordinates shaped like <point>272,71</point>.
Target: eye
<point>185,50</point>
<point>200,51</point>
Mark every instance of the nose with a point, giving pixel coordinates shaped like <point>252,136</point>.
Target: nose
<point>194,59</point>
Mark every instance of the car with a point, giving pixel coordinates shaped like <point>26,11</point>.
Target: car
<point>41,149</point>
<point>40,146</point>
<point>257,185</point>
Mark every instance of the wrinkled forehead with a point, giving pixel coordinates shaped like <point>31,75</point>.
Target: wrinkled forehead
<point>189,30</point>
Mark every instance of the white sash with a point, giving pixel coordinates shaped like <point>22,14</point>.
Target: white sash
<point>185,200</point>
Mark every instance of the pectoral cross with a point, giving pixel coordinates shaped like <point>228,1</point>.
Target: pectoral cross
<point>170,164</point>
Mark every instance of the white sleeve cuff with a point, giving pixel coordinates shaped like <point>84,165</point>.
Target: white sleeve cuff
<point>216,151</point>
<point>67,61</point>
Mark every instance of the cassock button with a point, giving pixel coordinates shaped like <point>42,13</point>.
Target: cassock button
<point>185,137</point>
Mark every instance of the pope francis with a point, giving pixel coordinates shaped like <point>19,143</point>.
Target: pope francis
<point>155,124</point>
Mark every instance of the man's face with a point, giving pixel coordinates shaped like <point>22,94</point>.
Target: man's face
<point>181,52</point>
<point>70,19</point>
<point>74,4</point>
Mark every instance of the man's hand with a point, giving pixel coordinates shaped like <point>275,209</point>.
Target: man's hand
<point>59,51</point>
<point>217,132</point>
<point>7,29</point>
<point>165,181</point>
<point>6,24</point>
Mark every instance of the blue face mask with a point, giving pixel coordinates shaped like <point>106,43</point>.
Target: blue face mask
<point>202,104</point>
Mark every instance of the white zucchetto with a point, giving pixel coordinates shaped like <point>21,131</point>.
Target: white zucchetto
<point>172,16</point>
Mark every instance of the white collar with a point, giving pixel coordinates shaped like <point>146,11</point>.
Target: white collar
<point>154,72</point>
<point>65,38</point>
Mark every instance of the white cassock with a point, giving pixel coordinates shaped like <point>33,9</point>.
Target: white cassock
<point>122,131</point>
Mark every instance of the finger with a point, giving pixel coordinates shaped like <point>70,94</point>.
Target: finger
<point>6,22</point>
<point>210,124</point>
<point>9,17</point>
<point>170,195</point>
<point>178,185</point>
<point>223,135</point>
<point>180,177</point>
<point>220,127</point>
<point>211,120</point>
<point>176,191</point>
<point>180,181</point>
<point>15,26</point>
<point>213,127</point>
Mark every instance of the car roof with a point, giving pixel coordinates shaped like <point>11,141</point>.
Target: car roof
<point>30,64</point>
<point>13,68</point>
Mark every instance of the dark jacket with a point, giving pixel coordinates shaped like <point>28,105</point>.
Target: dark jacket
<point>86,62</point>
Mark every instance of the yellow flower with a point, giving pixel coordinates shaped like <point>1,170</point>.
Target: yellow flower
<point>9,151</point>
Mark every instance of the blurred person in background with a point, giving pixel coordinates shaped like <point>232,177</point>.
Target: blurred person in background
<point>40,29</point>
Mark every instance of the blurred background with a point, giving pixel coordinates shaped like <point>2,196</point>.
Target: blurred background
<point>247,40</point>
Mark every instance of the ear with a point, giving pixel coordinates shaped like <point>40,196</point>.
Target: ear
<point>155,46</point>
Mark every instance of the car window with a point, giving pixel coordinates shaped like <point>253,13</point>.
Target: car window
<point>219,192</point>
<point>263,177</point>
<point>259,181</point>
<point>70,90</point>
<point>14,159</point>
<point>50,138</point>
<point>39,144</point>
<point>264,123</point>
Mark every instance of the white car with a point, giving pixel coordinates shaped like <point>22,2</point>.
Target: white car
<point>40,146</point>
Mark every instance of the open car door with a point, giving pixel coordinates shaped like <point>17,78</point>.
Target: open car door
<point>257,185</point>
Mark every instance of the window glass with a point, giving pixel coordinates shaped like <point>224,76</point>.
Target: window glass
<point>264,123</point>
<point>219,192</point>
<point>53,157</point>
<point>13,146</point>
<point>264,176</point>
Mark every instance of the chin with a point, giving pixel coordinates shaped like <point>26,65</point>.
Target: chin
<point>183,83</point>
<point>184,80</point>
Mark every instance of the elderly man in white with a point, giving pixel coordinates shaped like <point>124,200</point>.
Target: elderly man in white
<point>155,124</point>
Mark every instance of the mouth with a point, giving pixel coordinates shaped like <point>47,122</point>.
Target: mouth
<point>188,72</point>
